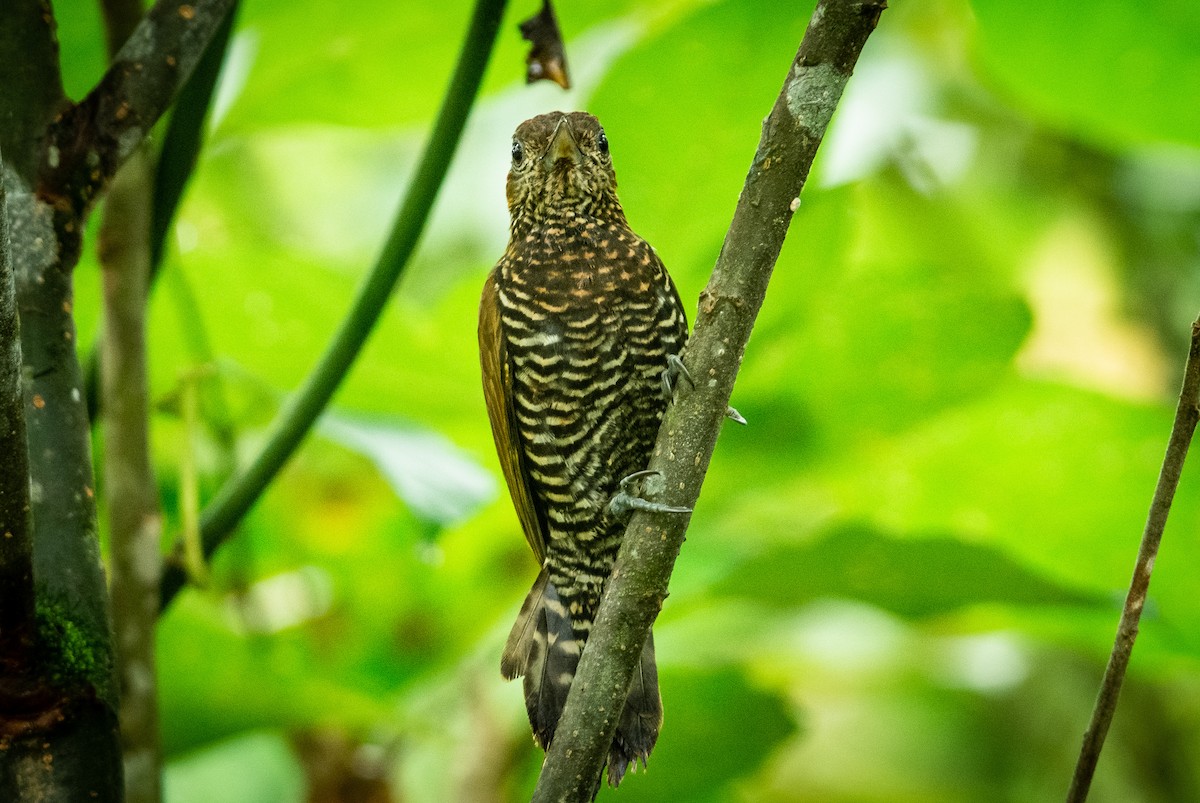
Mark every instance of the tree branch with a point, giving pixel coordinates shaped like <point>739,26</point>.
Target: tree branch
<point>728,306</point>
<point>62,745</point>
<point>57,712</point>
<point>1186,416</point>
<point>89,142</point>
<point>134,520</point>
<point>73,731</point>
<point>173,169</point>
<point>237,497</point>
<point>16,530</point>
<point>31,91</point>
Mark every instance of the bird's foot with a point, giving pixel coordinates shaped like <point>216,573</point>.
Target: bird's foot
<point>629,499</point>
<point>674,372</point>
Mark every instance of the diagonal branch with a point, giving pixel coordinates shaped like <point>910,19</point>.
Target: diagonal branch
<point>181,143</point>
<point>90,141</point>
<point>728,306</point>
<point>1186,416</point>
<point>236,498</point>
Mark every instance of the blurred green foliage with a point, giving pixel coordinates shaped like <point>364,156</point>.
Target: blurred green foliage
<point>903,576</point>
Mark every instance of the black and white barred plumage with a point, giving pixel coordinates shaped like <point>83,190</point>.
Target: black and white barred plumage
<point>577,322</point>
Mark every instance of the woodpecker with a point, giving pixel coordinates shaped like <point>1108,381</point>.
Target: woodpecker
<point>580,327</point>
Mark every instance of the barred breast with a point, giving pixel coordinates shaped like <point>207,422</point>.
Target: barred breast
<point>589,316</point>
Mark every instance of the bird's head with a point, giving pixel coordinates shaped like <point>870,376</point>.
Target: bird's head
<point>561,167</point>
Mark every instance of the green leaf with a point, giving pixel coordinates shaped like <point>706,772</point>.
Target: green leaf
<point>1116,72</point>
<point>217,683</point>
<point>81,45</point>
<point>256,767</point>
<point>1057,478</point>
<point>1037,468</point>
<point>436,479</point>
<point>915,577</point>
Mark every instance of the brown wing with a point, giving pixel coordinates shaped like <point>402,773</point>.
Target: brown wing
<point>497,393</point>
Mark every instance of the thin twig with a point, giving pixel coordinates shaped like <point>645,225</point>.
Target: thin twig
<point>238,495</point>
<point>728,306</point>
<point>184,138</point>
<point>1187,413</point>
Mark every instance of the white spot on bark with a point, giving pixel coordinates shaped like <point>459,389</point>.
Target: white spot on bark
<point>141,45</point>
<point>812,95</point>
<point>31,229</point>
<point>130,140</point>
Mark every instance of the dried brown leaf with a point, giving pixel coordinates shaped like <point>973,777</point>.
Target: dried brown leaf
<point>547,59</point>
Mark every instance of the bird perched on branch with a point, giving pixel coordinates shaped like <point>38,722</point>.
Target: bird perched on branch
<point>579,328</point>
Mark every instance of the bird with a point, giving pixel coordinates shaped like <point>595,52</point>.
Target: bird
<point>580,332</point>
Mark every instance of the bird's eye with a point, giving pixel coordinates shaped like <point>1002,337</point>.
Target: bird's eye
<point>602,143</point>
<point>518,152</point>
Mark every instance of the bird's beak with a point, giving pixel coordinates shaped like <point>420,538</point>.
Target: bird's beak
<point>562,146</point>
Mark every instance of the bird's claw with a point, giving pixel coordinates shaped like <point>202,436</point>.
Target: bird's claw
<point>676,371</point>
<point>671,375</point>
<point>626,500</point>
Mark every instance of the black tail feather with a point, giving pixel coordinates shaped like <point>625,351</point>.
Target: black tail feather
<point>641,719</point>
<point>543,647</point>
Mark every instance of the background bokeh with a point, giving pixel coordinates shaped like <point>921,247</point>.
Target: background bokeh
<point>902,578</point>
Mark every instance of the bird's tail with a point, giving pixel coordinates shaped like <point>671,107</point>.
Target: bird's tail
<point>543,647</point>
<point>641,719</point>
